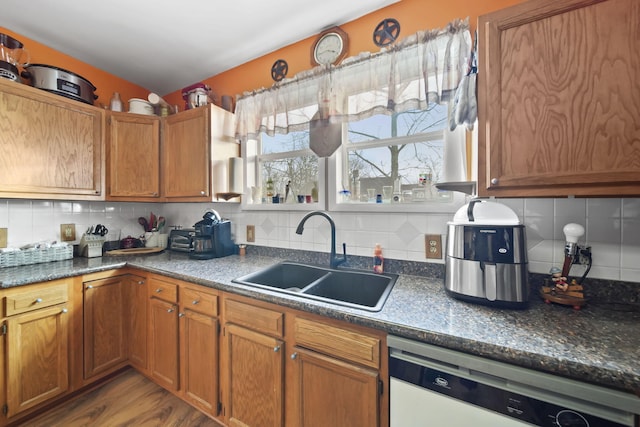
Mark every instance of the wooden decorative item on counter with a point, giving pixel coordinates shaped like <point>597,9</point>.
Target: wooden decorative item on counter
<point>572,295</point>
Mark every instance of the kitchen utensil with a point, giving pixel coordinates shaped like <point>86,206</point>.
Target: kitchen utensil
<point>161,223</point>
<point>144,223</point>
<point>153,223</point>
<point>61,82</point>
<point>100,230</point>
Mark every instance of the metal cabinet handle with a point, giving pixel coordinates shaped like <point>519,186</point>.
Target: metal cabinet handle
<point>202,193</point>
<point>171,310</point>
<point>158,290</point>
<point>64,310</point>
<point>495,181</point>
<point>89,286</point>
<point>276,348</point>
<point>141,282</point>
<point>180,314</point>
<point>294,356</point>
<point>38,300</point>
<point>195,301</point>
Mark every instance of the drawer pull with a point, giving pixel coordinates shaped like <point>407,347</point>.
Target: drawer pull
<point>158,290</point>
<point>38,300</point>
<point>195,301</point>
<point>181,315</point>
<point>171,310</point>
<point>89,286</point>
<point>64,310</point>
<point>141,282</point>
<point>294,356</point>
<point>276,348</point>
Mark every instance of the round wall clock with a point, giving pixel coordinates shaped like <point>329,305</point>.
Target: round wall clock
<point>386,32</point>
<point>330,47</point>
<point>279,70</point>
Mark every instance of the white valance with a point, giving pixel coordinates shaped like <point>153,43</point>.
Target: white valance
<point>424,68</point>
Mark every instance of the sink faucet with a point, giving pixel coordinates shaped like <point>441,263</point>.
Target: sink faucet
<point>334,262</point>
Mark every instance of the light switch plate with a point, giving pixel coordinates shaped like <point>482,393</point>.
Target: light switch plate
<point>433,246</point>
<point>3,237</point>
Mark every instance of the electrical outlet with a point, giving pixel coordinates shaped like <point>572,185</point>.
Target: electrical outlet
<point>3,237</point>
<point>251,233</point>
<point>67,232</point>
<point>433,246</point>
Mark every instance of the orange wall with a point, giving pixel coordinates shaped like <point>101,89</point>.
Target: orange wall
<point>105,83</point>
<point>413,16</point>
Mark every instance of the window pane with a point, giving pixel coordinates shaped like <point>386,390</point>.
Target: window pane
<point>283,143</point>
<point>403,124</point>
<point>300,172</point>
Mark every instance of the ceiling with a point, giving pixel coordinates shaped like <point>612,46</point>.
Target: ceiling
<point>164,45</point>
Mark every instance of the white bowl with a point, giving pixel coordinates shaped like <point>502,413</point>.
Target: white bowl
<point>140,106</point>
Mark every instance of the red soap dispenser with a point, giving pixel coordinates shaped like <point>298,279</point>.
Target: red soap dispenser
<point>378,260</point>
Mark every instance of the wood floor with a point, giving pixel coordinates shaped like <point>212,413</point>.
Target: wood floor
<point>128,400</point>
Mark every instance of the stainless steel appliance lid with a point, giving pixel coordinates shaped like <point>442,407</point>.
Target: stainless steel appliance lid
<point>51,67</point>
<point>485,212</point>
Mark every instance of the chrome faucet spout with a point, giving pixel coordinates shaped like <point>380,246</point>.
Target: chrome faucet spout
<point>334,262</point>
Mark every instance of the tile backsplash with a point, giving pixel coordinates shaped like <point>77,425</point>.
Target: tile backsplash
<point>612,228</point>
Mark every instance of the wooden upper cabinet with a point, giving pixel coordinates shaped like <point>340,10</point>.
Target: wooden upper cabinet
<point>559,99</point>
<point>52,147</point>
<point>133,157</point>
<point>196,146</point>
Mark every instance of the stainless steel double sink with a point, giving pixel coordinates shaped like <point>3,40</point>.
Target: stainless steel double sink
<point>351,288</point>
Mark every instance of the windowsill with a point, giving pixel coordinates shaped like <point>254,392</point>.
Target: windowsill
<point>282,207</point>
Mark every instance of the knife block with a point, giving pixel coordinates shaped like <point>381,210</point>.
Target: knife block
<point>91,246</point>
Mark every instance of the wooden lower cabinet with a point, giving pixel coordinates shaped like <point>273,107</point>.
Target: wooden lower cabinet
<point>286,368</point>
<point>331,392</point>
<point>163,343</point>
<point>36,346</point>
<point>136,320</point>
<point>104,325</point>
<point>255,378</point>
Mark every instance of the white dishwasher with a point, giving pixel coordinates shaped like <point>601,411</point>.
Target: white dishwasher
<point>434,386</point>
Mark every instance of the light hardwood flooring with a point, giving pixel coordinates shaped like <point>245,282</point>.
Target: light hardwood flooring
<point>129,400</point>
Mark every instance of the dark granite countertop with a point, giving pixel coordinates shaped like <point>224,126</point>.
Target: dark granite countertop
<point>595,345</point>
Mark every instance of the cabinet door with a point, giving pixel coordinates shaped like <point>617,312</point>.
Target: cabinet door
<point>199,360</point>
<point>51,146</point>
<point>136,302</point>
<point>133,157</point>
<point>559,104</point>
<point>163,343</point>
<point>104,334</point>
<point>186,155</point>
<point>37,357</point>
<point>333,393</point>
<point>255,378</point>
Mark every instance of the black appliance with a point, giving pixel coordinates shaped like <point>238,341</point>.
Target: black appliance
<point>180,239</point>
<point>212,237</point>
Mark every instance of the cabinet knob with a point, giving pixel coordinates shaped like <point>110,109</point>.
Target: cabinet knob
<point>141,282</point>
<point>276,348</point>
<point>494,181</point>
<point>294,356</point>
<point>38,300</point>
<point>89,286</point>
<point>195,302</point>
<point>64,310</point>
<point>171,310</point>
<point>180,314</point>
<point>202,193</point>
<point>158,290</point>
<point>154,194</point>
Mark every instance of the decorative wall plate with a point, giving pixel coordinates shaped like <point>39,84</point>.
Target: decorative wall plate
<point>386,32</point>
<point>279,70</point>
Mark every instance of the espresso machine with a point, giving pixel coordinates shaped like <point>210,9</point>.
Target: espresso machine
<point>212,238</point>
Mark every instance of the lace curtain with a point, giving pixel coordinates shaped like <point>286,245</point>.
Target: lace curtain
<point>422,69</point>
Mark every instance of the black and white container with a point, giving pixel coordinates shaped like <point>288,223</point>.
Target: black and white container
<point>486,256</point>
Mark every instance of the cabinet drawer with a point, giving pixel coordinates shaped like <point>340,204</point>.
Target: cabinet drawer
<point>256,318</point>
<point>201,302</point>
<point>28,300</point>
<point>165,291</point>
<point>338,342</point>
